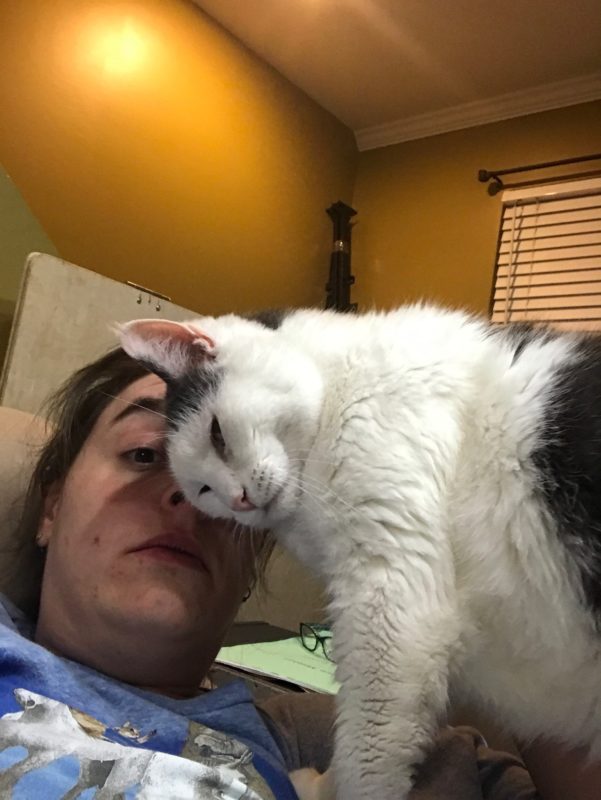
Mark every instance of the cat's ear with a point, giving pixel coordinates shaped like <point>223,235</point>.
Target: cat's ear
<point>167,348</point>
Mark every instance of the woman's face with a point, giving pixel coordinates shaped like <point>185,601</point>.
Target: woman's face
<point>126,555</point>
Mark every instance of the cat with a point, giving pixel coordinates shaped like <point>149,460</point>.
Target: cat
<point>442,475</point>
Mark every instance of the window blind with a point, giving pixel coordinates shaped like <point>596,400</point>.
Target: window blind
<point>548,265</point>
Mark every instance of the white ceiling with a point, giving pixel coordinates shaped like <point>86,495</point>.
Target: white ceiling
<point>394,70</point>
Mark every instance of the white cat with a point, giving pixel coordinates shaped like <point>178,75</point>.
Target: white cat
<point>444,477</point>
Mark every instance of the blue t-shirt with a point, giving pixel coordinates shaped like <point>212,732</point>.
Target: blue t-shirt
<point>67,731</point>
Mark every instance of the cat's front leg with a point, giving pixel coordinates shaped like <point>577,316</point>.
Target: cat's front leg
<point>393,647</point>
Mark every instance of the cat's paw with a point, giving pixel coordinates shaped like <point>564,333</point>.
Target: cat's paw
<point>310,784</point>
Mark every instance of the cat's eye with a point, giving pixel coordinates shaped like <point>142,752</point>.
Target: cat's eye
<point>217,439</point>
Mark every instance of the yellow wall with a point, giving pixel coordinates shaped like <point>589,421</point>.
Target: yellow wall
<point>426,227</point>
<point>20,234</point>
<point>153,147</point>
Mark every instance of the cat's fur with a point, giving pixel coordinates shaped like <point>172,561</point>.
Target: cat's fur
<point>443,477</point>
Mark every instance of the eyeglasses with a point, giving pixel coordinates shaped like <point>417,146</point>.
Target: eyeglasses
<point>313,634</point>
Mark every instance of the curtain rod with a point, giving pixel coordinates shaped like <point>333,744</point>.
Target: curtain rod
<point>497,184</point>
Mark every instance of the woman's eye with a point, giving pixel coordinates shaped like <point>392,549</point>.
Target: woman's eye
<point>217,439</point>
<point>144,456</point>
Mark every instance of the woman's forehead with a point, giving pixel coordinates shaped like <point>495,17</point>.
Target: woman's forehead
<point>138,393</point>
<point>148,386</point>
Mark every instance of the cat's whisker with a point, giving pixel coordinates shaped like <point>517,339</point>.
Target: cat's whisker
<point>236,533</point>
<point>302,460</point>
<point>297,450</point>
<point>300,452</point>
<point>327,502</point>
<point>295,481</point>
<point>161,435</point>
<point>316,484</point>
<point>322,505</point>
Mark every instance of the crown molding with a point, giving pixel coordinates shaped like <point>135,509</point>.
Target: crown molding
<point>480,112</point>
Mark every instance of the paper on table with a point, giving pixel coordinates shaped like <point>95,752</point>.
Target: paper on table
<point>286,659</point>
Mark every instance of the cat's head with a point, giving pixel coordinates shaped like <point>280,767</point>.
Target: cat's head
<point>243,406</point>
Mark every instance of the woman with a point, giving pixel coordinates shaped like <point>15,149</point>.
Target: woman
<point>136,591</point>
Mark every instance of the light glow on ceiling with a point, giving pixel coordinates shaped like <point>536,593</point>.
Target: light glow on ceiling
<point>119,48</point>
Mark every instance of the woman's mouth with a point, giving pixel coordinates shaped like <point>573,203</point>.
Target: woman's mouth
<point>183,550</point>
<point>172,556</point>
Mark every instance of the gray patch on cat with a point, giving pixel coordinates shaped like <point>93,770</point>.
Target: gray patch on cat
<point>270,318</point>
<point>189,392</point>
<point>521,334</point>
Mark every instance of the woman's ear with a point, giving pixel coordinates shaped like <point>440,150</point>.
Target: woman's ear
<point>49,512</point>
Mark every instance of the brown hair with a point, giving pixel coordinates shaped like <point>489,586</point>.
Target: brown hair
<point>72,412</point>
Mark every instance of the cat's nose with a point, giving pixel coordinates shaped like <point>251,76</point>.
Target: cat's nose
<point>242,503</point>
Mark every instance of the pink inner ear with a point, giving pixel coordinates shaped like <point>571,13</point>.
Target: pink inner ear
<point>176,332</point>
<point>162,329</point>
<point>168,347</point>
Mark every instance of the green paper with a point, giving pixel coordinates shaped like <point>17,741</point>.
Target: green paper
<point>286,659</point>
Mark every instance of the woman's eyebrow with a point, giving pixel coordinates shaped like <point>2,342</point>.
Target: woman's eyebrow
<point>147,405</point>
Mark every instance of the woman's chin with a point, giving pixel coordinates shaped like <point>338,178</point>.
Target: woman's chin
<point>170,606</point>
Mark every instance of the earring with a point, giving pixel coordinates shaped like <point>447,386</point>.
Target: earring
<point>40,542</point>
